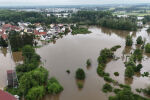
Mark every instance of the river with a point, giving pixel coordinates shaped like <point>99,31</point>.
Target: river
<point>72,51</point>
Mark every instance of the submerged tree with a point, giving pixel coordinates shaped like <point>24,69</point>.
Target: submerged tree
<point>53,86</point>
<point>139,40</point>
<point>80,74</point>
<point>147,48</point>
<point>129,72</point>
<point>129,41</point>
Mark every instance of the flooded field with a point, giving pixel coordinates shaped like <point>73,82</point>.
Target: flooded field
<point>71,52</point>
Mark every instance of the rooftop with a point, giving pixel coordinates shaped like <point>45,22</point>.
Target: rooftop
<point>6,96</point>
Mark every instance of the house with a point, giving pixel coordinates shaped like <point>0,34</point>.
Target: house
<point>58,15</point>
<point>37,33</point>
<point>6,26</point>
<point>65,15</point>
<point>9,27</point>
<point>140,24</point>
<point>52,25</point>
<point>63,29</point>
<point>6,96</point>
<point>28,30</point>
<point>48,15</point>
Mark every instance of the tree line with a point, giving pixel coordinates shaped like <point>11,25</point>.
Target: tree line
<point>102,18</point>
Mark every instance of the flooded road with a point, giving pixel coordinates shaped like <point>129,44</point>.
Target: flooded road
<point>6,63</point>
<point>71,53</point>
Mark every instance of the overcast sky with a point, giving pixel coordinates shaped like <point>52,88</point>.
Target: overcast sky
<point>67,2</point>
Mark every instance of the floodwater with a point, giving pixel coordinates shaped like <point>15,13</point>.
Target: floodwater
<point>71,52</point>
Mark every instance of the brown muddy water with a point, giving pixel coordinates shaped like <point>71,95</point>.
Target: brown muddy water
<point>71,52</point>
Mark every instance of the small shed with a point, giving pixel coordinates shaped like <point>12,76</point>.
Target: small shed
<point>11,78</point>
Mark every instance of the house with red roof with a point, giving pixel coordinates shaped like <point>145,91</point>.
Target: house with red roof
<point>36,32</point>
<point>10,27</point>
<point>6,96</point>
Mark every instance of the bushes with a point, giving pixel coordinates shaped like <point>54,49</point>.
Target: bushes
<point>28,51</point>
<point>116,90</point>
<point>106,53</point>
<point>88,62</point>
<point>147,48</point>
<point>32,79</point>
<point>129,41</point>
<point>53,86</point>
<point>80,84</point>
<point>129,72</point>
<point>107,88</point>
<point>35,93</point>
<point>138,68</point>
<point>108,79</point>
<point>114,48</point>
<point>138,54</point>
<point>126,94</point>
<point>116,73</point>
<point>102,60</point>
<point>124,86</point>
<point>79,30</point>
<point>80,74</point>
<point>100,71</point>
<point>145,74</point>
<point>139,40</point>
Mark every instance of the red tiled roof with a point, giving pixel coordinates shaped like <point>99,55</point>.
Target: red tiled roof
<point>6,96</point>
<point>12,27</point>
<point>39,33</point>
<point>6,26</point>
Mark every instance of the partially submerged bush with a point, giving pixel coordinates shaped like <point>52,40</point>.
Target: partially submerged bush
<point>129,71</point>
<point>147,48</point>
<point>116,90</point>
<point>138,68</point>
<point>108,79</point>
<point>138,54</point>
<point>53,86</point>
<point>107,88</point>
<point>116,73</point>
<point>35,93</point>
<point>139,40</point>
<point>80,84</point>
<point>88,62</point>
<point>101,72</point>
<point>114,48</point>
<point>145,74</point>
<point>80,74</point>
<point>129,41</point>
